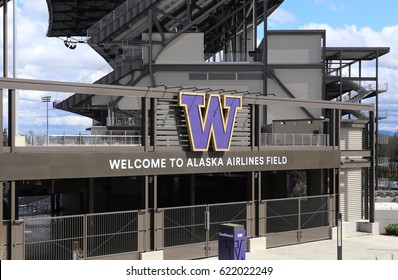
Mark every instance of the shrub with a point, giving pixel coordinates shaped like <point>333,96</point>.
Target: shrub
<point>392,229</point>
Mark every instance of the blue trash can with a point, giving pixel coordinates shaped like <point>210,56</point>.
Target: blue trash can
<point>231,242</point>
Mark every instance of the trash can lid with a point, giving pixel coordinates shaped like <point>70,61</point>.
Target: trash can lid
<point>231,226</point>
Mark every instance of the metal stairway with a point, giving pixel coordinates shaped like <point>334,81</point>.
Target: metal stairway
<point>361,92</point>
<point>122,31</point>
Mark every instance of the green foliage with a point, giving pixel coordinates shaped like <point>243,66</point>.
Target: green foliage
<point>392,229</point>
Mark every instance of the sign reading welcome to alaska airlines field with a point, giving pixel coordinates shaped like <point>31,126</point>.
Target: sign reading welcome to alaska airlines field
<point>209,118</point>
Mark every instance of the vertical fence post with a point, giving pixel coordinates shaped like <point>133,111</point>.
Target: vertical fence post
<point>85,237</point>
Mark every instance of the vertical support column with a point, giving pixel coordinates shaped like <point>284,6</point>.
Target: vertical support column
<point>336,171</point>
<point>145,123</point>
<point>153,124</point>
<point>5,38</point>
<point>372,167</point>
<point>261,210</point>
<point>253,217</point>
<point>11,120</point>
<point>53,200</point>
<point>244,51</point>
<point>157,216</point>
<point>254,40</point>
<point>5,69</point>
<point>144,221</point>
<point>366,176</point>
<point>377,122</point>
<point>13,208</point>
<point>324,70</point>
<point>265,58</point>
<point>91,200</point>
<point>253,127</point>
<point>257,127</point>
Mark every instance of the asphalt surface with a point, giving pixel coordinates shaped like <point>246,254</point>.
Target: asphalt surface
<point>365,247</point>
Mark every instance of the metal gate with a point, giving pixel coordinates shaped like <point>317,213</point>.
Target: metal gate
<point>295,220</point>
<point>116,235</point>
<point>192,232</point>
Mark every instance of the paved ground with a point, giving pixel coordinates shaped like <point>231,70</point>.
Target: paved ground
<point>367,247</point>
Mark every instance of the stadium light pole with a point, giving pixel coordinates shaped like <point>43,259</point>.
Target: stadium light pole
<point>46,99</point>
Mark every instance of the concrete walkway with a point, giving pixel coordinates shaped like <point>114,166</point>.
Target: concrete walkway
<point>365,247</point>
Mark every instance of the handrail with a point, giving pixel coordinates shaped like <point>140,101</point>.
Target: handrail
<point>291,139</point>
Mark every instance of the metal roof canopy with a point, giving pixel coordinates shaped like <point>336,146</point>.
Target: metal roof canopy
<point>355,53</point>
<point>2,2</point>
<point>72,18</point>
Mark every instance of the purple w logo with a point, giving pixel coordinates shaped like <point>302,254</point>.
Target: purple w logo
<point>209,118</point>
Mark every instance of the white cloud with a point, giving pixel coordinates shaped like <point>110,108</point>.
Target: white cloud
<point>330,5</point>
<point>71,121</point>
<point>281,16</point>
<point>352,36</point>
<point>43,58</point>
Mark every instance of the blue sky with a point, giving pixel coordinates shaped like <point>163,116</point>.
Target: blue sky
<point>374,14</point>
<point>347,23</point>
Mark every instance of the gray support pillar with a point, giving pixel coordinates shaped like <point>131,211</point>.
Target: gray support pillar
<point>265,59</point>
<point>153,124</point>
<point>147,218</point>
<point>11,120</point>
<point>254,25</point>
<point>188,11</point>
<point>156,237</point>
<point>324,67</point>
<point>377,122</point>
<point>53,201</point>
<point>253,126</point>
<point>260,228</point>
<point>91,200</point>
<point>145,123</point>
<point>12,227</point>
<point>5,38</point>
<point>366,177</point>
<point>372,167</point>
<point>337,171</point>
<point>244,51</point>
<point>253,180</point>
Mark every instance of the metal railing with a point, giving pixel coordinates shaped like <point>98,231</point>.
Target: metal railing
<point>111,17</point>
<point>124,139</point>
<point>112,139</point>
<point>93,235</point>
<point>111,233</point>
<point>51,238</point>
<point>188,225</point>
<point>290,139</point>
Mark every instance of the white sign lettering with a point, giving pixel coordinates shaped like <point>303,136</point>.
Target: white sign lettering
<point>158,163</point>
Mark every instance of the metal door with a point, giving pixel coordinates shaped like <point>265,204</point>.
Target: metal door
<point>295,220</point>
<point>191,232</point>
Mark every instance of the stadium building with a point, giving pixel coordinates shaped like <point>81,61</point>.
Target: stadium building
<point>197,125</point>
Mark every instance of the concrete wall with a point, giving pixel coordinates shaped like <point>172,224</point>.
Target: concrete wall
<point>386,213</point>
<point>291,48</point>
<point>188,47</point>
